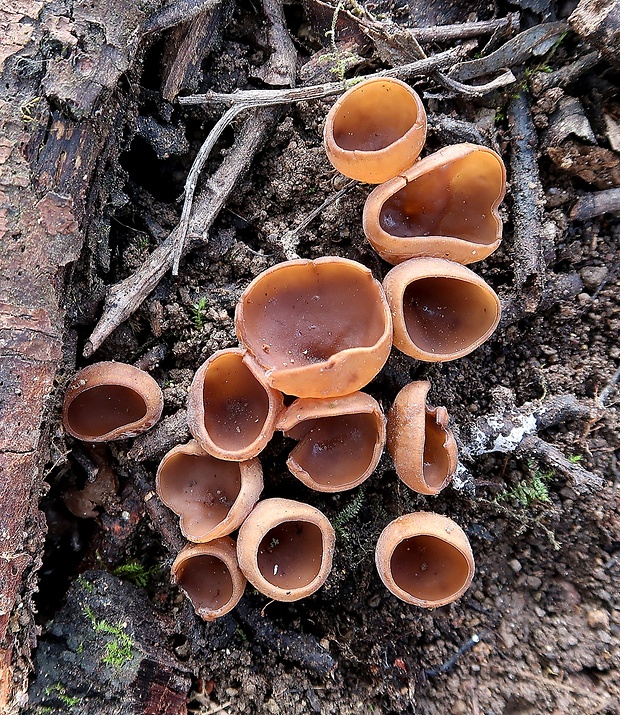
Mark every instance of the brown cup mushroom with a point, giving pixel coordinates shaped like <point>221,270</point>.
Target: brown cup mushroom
<point>441,310</point>
<point>375,130</point>
<point>444,206</point>
<point>425,559</point>
<point>285,549</point>
<point>210,577</point>
<point>300,320</point>
<point>340,440</point>
<point>230,410</point>
<point>111,400</point>
<point>211,496</point>
<point>421,444</point>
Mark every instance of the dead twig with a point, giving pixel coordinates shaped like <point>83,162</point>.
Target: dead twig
<point>527,206</point>
<point>542,81</point>
<point>288,241</point>
<point>280,68</point>
<point>126,297</point>
<point>595,204</point>
<point>514,430</point>
<point>535,41</point>
<point>467,30</point>
<point>265,97</point>
<point>174,13</point>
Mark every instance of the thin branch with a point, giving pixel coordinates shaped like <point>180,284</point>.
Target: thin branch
<point>318,91</point>
<point>606,392</point>
<point>595,204</point>
<point>466,30</point>
<point>280,68</point>
<point>528,202</point>
<point>126,297</point>
<point>288,241</point>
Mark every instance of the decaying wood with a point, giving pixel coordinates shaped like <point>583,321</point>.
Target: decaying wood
<point>280,68</point>
<point>166,434</point>
<point>527,209</point>
<point>514,430</point>
<point>598,23</point>
<point>108,636</point>
<point>536,41</point>
<point>596,204</point>
<point>49,179</point>
<point>467,30</point>
<point>187,47</point>
<point>542,81</point>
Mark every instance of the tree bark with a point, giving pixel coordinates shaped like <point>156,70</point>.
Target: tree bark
<point>59,124</point>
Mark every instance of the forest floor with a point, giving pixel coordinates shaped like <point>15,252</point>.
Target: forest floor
<point>539,630</point>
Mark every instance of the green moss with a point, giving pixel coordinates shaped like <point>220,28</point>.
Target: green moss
<point>119,649</point>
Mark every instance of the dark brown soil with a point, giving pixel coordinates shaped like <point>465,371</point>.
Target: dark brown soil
<point>539,630</point>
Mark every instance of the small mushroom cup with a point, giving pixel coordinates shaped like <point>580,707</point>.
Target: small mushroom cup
<point>285,549</point>
<point>421,443</point>
<point>210,577</point>
<point>231,410</point>
<point>111,400</point>
<point>425,559</point>
<point>340,440</point>
<point>211,496</point>
<point>300,321</point>
<point>444,206</point>
<point>441,309</point>
<point>375,130</point>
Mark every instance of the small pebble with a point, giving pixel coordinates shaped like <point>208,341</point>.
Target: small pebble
<point>515,565</point>
<point>534,582</point>
<point>593,276</point>
<point>598,619</point>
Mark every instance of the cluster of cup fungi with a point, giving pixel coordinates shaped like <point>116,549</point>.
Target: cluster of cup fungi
<point>319,331</point>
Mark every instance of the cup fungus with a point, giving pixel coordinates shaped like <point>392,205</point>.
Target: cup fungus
<point>210,577</point>
<point>285,549</point>
<point>211,496</point>
<point>300,320</point>
<point>425,559</point>
<point>111,400</point>
<point>230,410</point>
<point>375,130</point>
<point>422,446</point>
<point>340,440</point>
<point>444,206</point>
<point>441,310</point>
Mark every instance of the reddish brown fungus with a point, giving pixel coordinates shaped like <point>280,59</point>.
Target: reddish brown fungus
<point>285,549</point>
<point>441,310</point>
<point>444,206</point>
<point>422,446</point>
<point>425,559</point>
<point>231,411</point>
<point>111,400</point>
<point>341,440</point>
<point>210,577</point>
<point>211,496</point>
<point>300,320</point>
<point>375,130</point>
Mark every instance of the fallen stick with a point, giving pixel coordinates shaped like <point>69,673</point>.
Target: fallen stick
<point>419,68</point>
<point>280,68</point>
<point>595,204</point>
<point>126,296</point>
<point>527,206</point>
<point>514,430</point>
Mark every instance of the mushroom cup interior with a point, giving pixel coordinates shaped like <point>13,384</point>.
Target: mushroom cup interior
<point>207,582</point>
<point>374,116</point>
<point>428,568</point>
<point>101,409</point>
<point>236,405</point>
<point>304,314</point>
<point>290,554</point>
<point>446,315</point>
<point>202,489</point>
<point>451,200</point>
<point>435,460</point>
<point>335,450</point>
